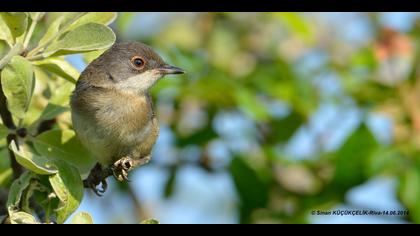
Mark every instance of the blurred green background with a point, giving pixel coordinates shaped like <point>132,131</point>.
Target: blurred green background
<point>279,115</point>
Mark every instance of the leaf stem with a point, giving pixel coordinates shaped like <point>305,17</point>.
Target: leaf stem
<point>15,50</point>
<point>32,54</point>
<point>35,57</point>
<point>48,213</point>
<point>28,35</point>
<point>16,167</point>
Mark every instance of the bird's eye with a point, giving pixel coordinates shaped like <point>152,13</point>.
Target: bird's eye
<point>137,62</point>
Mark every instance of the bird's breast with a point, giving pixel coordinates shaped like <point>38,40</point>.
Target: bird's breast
<point>127,116</point>
<point>115,115</point>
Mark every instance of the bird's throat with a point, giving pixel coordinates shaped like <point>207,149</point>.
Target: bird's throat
<point>139,84</point>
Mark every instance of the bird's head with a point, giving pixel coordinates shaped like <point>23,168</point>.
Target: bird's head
<point>133,67</point>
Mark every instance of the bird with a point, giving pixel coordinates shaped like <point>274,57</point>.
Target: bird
<point>112,110</point>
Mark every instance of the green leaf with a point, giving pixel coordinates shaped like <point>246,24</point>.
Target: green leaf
<point>282,129</point>
<point>17,23</point>
<point>59,101</point>
<point>352,158</point>
<point>104,18</point>
<point>5,33</point>
<point>51,111</point>
<point>251,188</point>
<point>59,21</point>
<point>69,17</point>
<point>31,161</point>
<point>16,191</point>
<point>5,177</point>
<point>52,31</point>
<point>3,131</point>
<point>82,218</point>
<point>248,102</point>
<point>4,48</point>
<point>43,194</point>
<point>36,16</point>
<point>364,58</point>
<point>296,23</point>
<point>170,183</point>
<point>68,186</point>
<point>200,137</point>
<point>22,218</point>
<point>64,145</point>
<point>90,56</point>
<point>150,222</point>
<point>42,76</point>
<point>87,37</point>
<point>385,160</point>
<point>57,104</point>
<point>409,192</point>
<point>18,83</point>
<point>59,67</point>
<point>414,71</point>
<point>4,156</point>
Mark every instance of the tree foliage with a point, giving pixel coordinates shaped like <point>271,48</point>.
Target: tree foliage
<point>36,82</point>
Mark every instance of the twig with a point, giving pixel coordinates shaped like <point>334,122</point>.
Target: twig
<point>96,176</point>
<point>35,58</point>
<point>45,125</point>
<point>28,35</point>
<point>141,213</point>
<point>16,50</point>
<point>16,167</point>
<point>7,119</point>
<point>3,200</point>
<point>5,114</point>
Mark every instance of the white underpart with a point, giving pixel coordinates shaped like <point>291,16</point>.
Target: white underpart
<point>138,137</point>
<point>139,83</point>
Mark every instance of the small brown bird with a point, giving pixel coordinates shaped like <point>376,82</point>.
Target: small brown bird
<point>112,111</point>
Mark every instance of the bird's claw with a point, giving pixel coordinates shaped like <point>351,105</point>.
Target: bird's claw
<point>92,185</point>
<point>95,178</point>
<point>104,186</point>
<point>98,191</point>
<point>121,167</point>
<point>120,174</point>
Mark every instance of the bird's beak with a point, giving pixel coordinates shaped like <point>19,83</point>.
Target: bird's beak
<point>168,69</point>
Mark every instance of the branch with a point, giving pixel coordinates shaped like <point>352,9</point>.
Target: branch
<point>3,200</point>
<point>97,176</point>
<point>30,32</point>
<point>7,119</point>
<point>141,213</point>
<point>16,50</point>
<point>16,167</point>
<point>45,125</point>
<point>5,114</point>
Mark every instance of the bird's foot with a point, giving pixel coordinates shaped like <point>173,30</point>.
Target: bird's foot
<point>97,176</point>
<point>121,167</point>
